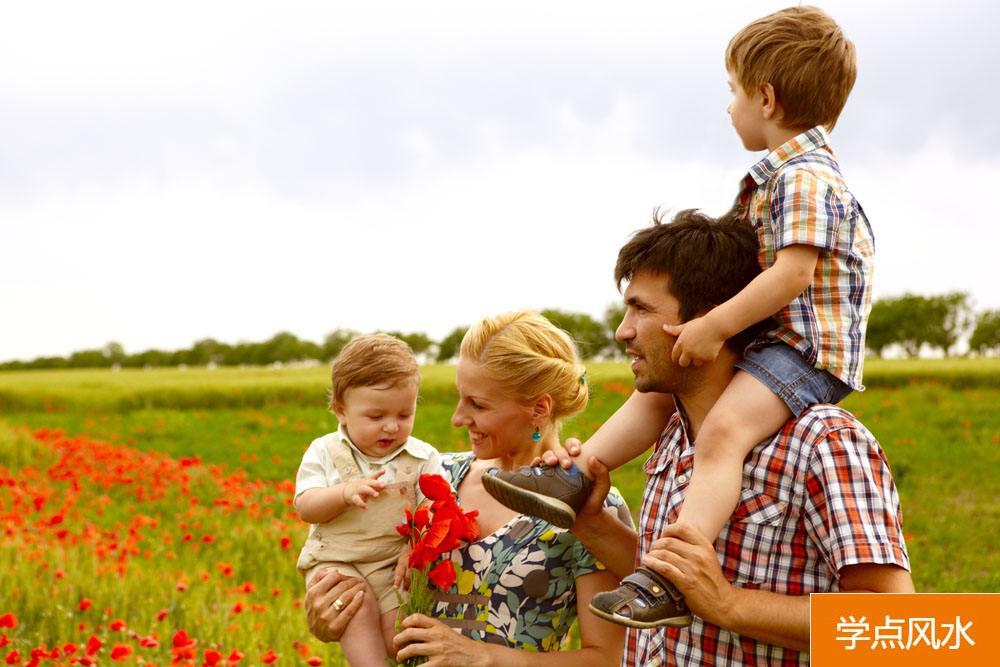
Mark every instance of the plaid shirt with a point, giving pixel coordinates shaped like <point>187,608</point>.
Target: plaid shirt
<point>796,196</point>
<point>816,497</point>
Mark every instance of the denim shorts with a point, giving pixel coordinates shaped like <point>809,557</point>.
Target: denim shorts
<point>784,371</point>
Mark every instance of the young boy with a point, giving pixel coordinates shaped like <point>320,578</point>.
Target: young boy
<point>790,74</point>
<point>352,485</point>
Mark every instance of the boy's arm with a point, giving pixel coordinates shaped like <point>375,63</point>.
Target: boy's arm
<point>630,431</point>
<point>701,339</point>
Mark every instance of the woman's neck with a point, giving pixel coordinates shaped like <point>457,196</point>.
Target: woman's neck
<point>531,451</point>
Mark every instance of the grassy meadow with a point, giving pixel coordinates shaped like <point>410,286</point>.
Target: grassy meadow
<point>145,515</point>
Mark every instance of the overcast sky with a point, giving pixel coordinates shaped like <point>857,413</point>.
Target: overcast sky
<point>184,170</point>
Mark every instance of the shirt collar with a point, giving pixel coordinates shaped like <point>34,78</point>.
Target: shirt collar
<point>411,446</point>
<point>809,140</point>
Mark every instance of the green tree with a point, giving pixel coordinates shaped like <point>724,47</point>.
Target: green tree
<point>949,318</point>
<point>590,336</point>
<point>449,347</point>
<point>335,341</point>
<point>613,316</point>
<point>419,342</point>
<point>985,338</point>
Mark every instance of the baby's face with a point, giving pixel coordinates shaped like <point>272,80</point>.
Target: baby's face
<point>379,419</point>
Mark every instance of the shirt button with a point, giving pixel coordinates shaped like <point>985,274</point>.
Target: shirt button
<point>682,479</point>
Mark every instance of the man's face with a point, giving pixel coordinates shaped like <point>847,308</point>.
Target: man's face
<point>648,306</point>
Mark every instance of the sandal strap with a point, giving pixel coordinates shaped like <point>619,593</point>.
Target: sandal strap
<point>650,583</point>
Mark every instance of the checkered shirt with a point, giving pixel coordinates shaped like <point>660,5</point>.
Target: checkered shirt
<point>816,497</point>
<point>796,196</point>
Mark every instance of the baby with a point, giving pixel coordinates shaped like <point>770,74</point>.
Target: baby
<point>353,485</point>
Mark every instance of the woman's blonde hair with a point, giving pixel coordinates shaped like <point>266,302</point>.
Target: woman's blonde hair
<point>529,356</point>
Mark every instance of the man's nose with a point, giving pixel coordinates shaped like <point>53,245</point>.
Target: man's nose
<point>624,332</point>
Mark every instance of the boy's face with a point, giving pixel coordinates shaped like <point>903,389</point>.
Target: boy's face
<point>378,419</point>
<point>745,112</point>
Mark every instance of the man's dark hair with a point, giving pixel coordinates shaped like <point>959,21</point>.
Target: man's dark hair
<point>708,261</point>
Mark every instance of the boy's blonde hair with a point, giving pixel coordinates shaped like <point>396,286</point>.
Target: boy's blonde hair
<point>529,356</point>
<point>805,56</point>
<point>377,360</point>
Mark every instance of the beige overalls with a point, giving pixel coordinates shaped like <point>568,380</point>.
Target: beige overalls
<point>359,542</point>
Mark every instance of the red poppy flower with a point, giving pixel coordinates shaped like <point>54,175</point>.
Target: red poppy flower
<point>13,658</point>
<point>315,661</point>
<point>93,645</point>
<point>235,656</point>
<point>434,487</point>
<point>269,657</point>
<point>4,640</point>
<point>212,657</point>
<point>117,625</point>
<point>286,542</point>
<point>85,604</point>
<point>69,649</point>
<point>8,620</point>
<point>162,614</point>
<point>120,652</point>
<point>443,574</point>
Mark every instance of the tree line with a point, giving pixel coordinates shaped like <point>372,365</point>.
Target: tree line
<point>911,323</point>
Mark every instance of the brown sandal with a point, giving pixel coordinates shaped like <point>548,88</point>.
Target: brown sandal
<point>643,600</point>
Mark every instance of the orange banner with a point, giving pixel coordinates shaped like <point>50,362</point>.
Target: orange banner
<point>884,630</point>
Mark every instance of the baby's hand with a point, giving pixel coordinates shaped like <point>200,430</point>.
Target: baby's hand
<point>356,490</point>
<point>698,342</point>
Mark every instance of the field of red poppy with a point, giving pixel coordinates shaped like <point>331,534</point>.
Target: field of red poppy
<point>160,531</point>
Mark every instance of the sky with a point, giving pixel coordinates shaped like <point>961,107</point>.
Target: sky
<point>183,170</point>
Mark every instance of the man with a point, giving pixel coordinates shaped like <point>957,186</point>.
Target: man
<point>818,510</point>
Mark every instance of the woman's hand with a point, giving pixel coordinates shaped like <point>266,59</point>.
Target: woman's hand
<point>329,590</point>
<point>422,635</point>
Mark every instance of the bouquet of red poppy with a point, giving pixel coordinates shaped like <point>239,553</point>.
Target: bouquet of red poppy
<point>432,531</point>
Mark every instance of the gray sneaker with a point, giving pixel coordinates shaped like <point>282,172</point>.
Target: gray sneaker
<point>550,493</point>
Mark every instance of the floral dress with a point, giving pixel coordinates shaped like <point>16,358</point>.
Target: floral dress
<point>517,586</point>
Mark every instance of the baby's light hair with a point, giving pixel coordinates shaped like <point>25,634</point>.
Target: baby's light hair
<point>528,356</point>
<point>805,56</point>
<point>376,360</point>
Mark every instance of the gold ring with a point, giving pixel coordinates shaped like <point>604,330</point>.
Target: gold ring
<point>338,604</point>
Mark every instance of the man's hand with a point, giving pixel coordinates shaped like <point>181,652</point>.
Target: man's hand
<point>698,341</point>
<point>327,591</point>
<point>601,477</point>
<point>356,490</point>
<point>685,557</point>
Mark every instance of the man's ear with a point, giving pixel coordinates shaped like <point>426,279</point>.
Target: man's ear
<point>770,107</point>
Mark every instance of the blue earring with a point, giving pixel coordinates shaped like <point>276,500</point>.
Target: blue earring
<point>536,436</point>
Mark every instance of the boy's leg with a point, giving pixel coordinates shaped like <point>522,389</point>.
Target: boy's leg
<point>746,413</point>
<point>363,640</point>
<point>557,493</point>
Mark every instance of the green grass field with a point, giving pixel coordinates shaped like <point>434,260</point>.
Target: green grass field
<point>937,420</point>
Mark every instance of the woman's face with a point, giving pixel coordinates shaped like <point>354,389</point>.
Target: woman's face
<point>499,426</point>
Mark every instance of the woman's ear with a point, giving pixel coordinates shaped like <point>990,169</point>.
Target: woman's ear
<point>541,408</point>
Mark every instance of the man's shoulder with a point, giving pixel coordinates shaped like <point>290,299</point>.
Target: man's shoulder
<point>820,422</point>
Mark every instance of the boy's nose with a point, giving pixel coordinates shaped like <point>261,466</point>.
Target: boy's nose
<point>392,427</point>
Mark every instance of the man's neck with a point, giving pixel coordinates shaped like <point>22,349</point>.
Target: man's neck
<point>699,399</point>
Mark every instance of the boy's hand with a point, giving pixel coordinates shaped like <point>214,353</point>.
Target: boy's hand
<point>356,490</point>
<point>698,342</point>
<point>560,456</point>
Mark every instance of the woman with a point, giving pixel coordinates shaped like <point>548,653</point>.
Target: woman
<point>521,586</point>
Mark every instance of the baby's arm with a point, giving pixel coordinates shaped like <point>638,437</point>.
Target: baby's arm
<point>319,505</point>
<point>700,339</point>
